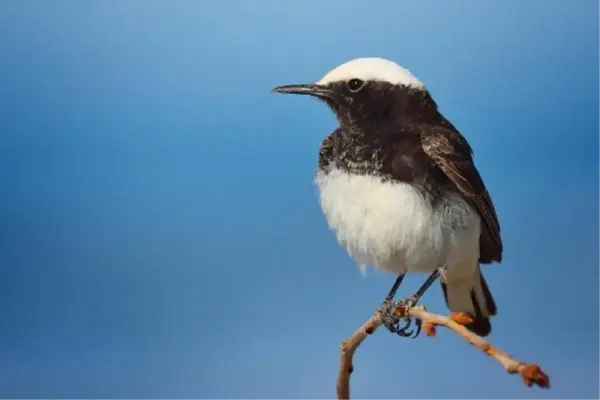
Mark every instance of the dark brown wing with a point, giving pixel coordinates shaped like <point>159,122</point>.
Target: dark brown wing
<point>450,151</point>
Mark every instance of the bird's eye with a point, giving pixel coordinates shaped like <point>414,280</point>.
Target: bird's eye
<point>355,85</point>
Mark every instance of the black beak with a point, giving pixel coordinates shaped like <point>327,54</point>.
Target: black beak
<point>308,89</point>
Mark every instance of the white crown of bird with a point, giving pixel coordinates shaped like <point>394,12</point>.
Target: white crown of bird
<point>372,69</point>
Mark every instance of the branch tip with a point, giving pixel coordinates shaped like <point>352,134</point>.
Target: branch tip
<point>532,374</point>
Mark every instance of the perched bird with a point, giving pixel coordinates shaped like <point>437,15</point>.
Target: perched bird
<point>399,187</point>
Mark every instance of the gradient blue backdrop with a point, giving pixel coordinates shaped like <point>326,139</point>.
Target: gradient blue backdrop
<point>160,234</point>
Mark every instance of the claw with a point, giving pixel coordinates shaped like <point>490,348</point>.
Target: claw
<point>389,316</point>
<point>392,322</point>
<point>407,323</point>
<point>404,332</point>
<point>419,325</point>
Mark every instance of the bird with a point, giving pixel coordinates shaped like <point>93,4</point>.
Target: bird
<point>398,186</point>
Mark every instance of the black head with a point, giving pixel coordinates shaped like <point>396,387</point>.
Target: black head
<point>365,92</point>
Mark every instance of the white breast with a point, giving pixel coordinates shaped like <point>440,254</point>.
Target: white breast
<point>392,226</point>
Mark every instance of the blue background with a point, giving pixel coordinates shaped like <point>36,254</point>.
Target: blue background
<point>160,234</point>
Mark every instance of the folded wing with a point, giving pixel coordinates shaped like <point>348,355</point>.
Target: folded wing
<point>452,154</point>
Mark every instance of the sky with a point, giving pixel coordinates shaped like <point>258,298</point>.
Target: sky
<point>160,234</point>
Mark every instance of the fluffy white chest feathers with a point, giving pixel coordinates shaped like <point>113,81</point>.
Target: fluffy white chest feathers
<point>392,226</point>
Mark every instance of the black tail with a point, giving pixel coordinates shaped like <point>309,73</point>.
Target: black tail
<point>474,298</point>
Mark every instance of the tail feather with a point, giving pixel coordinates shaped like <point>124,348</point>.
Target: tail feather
<point>489,299</point>
<point>473,297</point>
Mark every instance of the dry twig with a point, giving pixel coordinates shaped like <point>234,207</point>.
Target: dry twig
<point>531,374</point>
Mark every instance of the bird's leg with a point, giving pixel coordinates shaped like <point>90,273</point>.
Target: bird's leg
<point>394,288</point>
<point>388,308</point>
<point>411,302</point>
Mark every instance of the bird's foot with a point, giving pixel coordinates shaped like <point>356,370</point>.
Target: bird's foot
<point>391,318</point>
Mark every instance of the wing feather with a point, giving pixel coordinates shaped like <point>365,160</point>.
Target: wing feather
<point>452,154</point>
